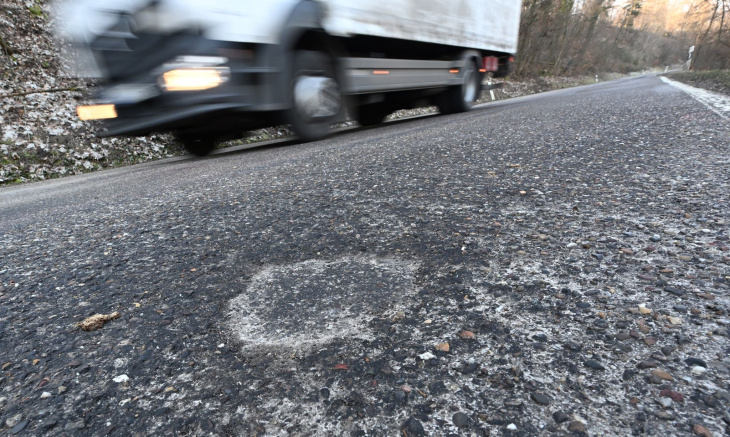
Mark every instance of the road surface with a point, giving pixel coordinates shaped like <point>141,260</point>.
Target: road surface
<point>547,265</point>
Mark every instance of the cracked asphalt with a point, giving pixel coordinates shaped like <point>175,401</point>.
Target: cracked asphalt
<point>557,264</point>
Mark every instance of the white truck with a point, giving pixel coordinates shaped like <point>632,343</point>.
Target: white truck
<point>208,70</point>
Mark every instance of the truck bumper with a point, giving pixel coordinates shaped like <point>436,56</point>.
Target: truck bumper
<point>182,111</point>
<point>150,87</point>
<point>169,120</point>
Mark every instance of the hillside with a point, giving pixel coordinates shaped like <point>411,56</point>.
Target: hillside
<point>40,136</point>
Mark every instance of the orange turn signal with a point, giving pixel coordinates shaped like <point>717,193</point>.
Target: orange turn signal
<point>96,112</point>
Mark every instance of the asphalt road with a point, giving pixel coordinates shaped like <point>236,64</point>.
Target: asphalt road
<point>547,265</point>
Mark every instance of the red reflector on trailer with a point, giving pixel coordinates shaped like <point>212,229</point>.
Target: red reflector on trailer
<point>453,71</point>
<point>381,72</point>
<point>491,63</point>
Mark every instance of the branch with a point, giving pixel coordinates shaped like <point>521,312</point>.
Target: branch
<point>5,47</point>
<point>54,90</point>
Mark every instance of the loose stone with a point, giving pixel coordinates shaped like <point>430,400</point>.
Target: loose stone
<point>675,291</point>
<point>722,332</point>
<point>467,335</point>
<point>698,370</point>
<point>577,426</point>
<point>701,431</point>
<point>461,420</point>
<point>673,395</point>
<point>593,364</point>
<point>121,379</point>
<point>664,415</point>
<point>560,417</point>
<point>691,361</point>
<point>413,427</point>
<point>665,402</point>
<point>10,422</point>
<point>19,427</point>
<point>540,398</point>
<point>662,375</point>
<point>49,423</point>
<point>443,347</point>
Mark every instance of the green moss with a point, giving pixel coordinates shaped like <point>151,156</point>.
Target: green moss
<point>36,10</point>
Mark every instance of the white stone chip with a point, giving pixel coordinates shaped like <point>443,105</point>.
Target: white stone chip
<point>121,379</point>
<point>698,370</point>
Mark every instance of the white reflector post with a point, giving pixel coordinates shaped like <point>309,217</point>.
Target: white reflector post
<point>192,79</point>
<point>96,112</point>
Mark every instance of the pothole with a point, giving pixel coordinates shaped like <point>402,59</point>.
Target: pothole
<point>303,305</point>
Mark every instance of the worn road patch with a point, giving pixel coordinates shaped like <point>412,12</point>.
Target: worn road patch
<point>306,304</point>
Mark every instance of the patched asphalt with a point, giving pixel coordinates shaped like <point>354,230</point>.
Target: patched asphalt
<point>549,265</point>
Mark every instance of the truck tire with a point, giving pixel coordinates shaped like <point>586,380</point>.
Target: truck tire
<point>198,145</point>
<point>372,115</point>
<point>462,97</point>
<point>315,95</point>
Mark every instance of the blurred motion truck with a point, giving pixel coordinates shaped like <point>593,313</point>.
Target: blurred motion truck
<point>209,70</point>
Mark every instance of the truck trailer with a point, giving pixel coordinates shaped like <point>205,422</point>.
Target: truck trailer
<point>208,70</point>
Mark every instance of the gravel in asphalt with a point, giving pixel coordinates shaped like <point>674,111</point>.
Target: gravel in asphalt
<point>549,265</point>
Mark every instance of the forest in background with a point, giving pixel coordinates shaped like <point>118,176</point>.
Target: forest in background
<point>580,37</point>
<point>577,37</point>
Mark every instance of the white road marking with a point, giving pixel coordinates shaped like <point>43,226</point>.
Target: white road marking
<point>717,103</point>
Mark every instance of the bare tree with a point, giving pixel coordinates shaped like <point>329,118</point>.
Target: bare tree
<point>712,43</point>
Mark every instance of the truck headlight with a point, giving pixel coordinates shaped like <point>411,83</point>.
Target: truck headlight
<point>194,79</point>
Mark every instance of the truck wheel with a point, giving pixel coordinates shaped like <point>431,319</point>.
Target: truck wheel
<point>462,97</point>
<point>315,95</point>
<point>198,145</point>
<point>372,115</point>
